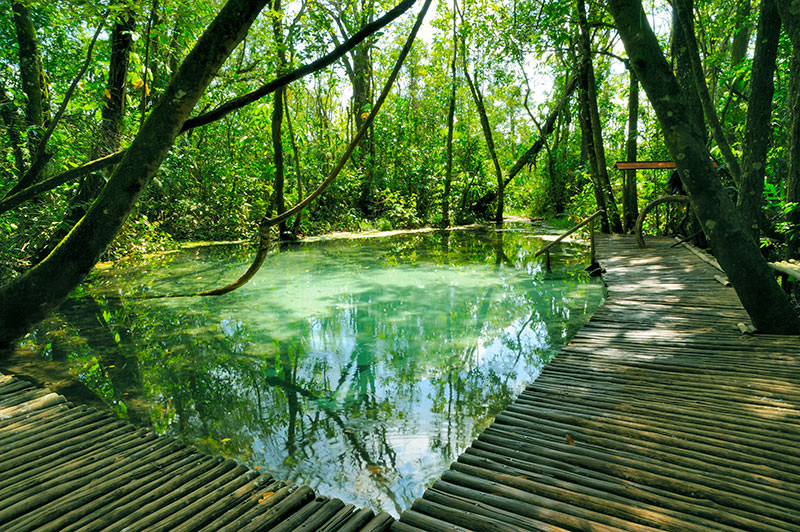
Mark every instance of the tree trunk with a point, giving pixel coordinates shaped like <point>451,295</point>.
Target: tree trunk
<point>30,297</point>
<point>730,238</point>
<point>547,129</point>
<point>758,130</point>
<point>362,102</point>
<point>684,16</point>
<point>588,153</point>
<point>584,46</point>
<point>487,134</point>
<point>296,157</point>
<point>684,74</point>
<point>630,199</point>
<point>451,114</point>
<point>741,37</point>
<point>790,16</point>
<point>278,202</point>
<point>30,72</point>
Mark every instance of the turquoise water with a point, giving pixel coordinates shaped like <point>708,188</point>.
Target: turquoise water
<point>360,367</point>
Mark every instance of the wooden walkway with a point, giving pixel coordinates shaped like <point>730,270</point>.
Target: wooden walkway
<point>66,468</point>
<point>659,415</point>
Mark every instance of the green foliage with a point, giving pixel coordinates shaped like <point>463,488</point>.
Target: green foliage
<point>217,183</point>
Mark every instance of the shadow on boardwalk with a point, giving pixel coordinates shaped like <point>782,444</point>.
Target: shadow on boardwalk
<point>659,415</point>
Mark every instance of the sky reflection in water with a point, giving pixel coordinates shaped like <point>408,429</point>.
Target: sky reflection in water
<point>359,367</point>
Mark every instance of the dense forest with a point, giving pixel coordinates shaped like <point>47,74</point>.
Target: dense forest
<point>131,126</point>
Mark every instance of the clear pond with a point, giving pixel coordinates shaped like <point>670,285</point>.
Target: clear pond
<point>361,367</point>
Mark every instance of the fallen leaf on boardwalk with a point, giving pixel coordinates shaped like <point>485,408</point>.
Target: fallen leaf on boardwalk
<point>266,496</point>
<point>569,439</point>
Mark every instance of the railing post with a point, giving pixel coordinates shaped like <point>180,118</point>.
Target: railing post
<point>547,260</point>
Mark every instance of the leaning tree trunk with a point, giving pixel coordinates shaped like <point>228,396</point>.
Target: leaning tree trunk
<point>758,128</point>
<point>630,199</point>
<point>729,236</point>
<point>30,297</point>
<point>585,55</point>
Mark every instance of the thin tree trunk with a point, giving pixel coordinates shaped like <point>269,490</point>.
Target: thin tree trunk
<point>730,238</point>
<point>451,114</point>
<point>758,129</point>
<point>684,73</point>
<point>148,44</point>
<point>741,37</point>
<point>630,199</point>
<point>296,157</point>
<point>792,181</point>
<point>487,134</point>
<point>278,203</point>
<point>30,297</point>
<point>588,151</point>
<point>611,211</point>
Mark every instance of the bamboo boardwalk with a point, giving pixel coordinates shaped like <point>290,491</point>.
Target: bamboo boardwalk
<point>67,468</point>
<point>659,415</point>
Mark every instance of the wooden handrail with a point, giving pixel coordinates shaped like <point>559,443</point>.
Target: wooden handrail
<point>569,232</point>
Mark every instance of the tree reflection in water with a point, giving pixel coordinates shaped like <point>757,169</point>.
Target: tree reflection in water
<point>359,367</point>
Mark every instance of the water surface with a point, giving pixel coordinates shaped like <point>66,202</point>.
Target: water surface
<point>359,367</point>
